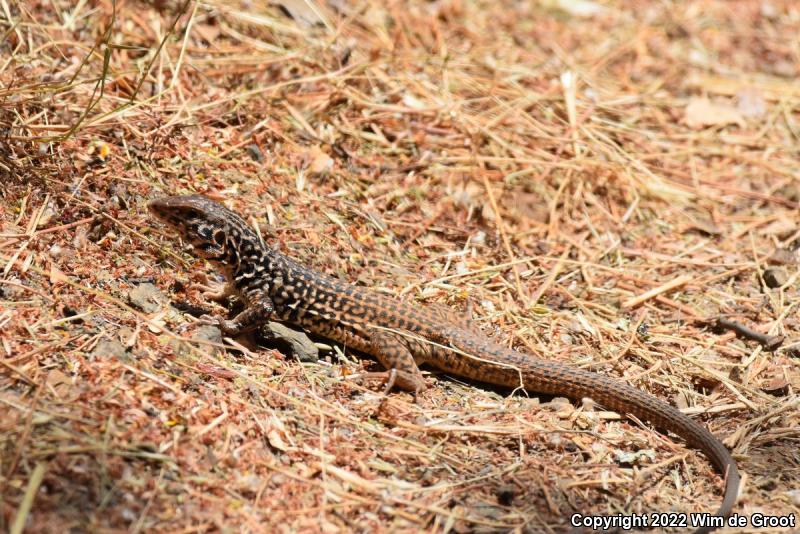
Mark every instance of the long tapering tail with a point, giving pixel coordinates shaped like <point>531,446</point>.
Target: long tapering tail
<point>513,369</point>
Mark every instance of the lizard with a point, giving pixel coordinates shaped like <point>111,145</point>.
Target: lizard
<point>399,335</point>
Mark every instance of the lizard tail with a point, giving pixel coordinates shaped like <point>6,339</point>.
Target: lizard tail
<point>508,368</point>
<point>626,399</point>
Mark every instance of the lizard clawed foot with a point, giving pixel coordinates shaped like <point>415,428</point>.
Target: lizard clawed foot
<point>203,320</point>
<point>392,378</point>
<point>390,381</point>
<point>229,328</point>
<point>383,376</point>
<point>215,292</point>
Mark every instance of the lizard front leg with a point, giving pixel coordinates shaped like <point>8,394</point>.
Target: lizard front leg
<point>258,311</point>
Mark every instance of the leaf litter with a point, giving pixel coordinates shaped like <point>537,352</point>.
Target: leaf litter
<point>599,182</point>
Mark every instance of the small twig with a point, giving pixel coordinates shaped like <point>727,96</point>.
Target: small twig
<point>67,226</point>
<point>770,343</point>
<point>669,286</point>
<point>690,312</point>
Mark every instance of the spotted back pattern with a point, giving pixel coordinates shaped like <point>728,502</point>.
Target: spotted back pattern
<point>401,335</point>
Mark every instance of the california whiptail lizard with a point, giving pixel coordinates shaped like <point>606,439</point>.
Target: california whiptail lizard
<point>401,336</point>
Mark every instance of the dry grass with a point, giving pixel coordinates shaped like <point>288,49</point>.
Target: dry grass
<point>601,188</point>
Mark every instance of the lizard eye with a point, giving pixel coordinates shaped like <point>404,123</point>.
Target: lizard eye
<point>219,237</point>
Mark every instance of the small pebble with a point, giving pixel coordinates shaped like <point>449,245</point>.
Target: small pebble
<point>111,348</point>
<point>298,341</point>
<point>775,277</point>
<point>147,298</point>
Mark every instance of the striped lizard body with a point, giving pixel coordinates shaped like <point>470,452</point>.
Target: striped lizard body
<point>401,336</point>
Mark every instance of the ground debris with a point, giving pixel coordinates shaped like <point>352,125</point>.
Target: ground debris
<point>590,182</point>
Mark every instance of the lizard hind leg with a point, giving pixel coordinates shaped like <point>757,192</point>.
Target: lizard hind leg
<point>395,354</point>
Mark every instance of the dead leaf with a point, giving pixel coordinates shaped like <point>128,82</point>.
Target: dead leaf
<point>703,112</point>
<point>207,32</point>
<point>320,162</point>
<point>277,435</point>
<point>216,371</point>
<point>59,382</point>
<point>80,241</point>
<point>751,103</point>
<point>529,206</point>
<point>776,386</point>
<point>413,102</point>
<point>783,256</point>
<point>468,195</point>
<point>305,12</point>
<point>704,227</point>
<point>156,323</point>
<point>56,275</point>
<point>780,228</point>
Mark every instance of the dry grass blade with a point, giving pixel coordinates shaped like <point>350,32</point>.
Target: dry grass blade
<point>37,475</point>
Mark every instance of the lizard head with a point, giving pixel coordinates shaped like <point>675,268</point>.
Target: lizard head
<point>213,231</point>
